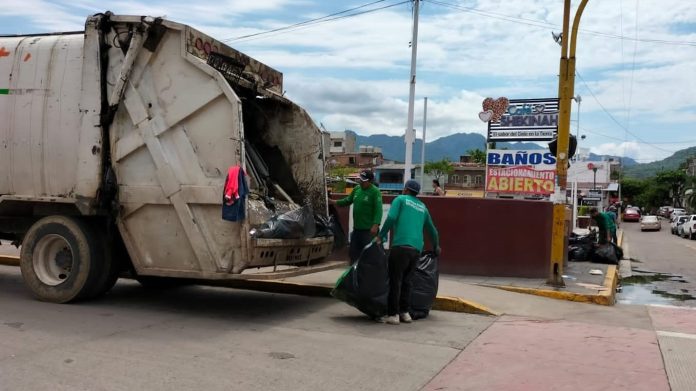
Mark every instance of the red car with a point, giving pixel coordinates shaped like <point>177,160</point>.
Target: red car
<point>631,215</point>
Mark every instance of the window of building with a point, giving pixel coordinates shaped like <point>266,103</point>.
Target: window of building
<point>338,143</point>
<point>479,179</point>
<point>454,178</point>
<point>467,179</point>
<point>351,160</point>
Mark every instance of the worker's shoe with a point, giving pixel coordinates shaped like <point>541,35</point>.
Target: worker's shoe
<point>405,317</point>
<point>394,319</point>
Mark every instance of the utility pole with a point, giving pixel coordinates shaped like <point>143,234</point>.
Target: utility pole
<point>425,119</point>
<point>566,91</point>
<point>410,132</point>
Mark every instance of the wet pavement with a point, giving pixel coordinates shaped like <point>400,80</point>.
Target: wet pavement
<point>662,268</point>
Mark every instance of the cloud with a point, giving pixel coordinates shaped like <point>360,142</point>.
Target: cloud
<point>380,106</point>
<point>643,153</point>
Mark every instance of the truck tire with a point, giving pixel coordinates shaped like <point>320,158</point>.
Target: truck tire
<point>114,258</point>
<point>62,259</point>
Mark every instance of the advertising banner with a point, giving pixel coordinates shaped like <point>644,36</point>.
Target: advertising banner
<point>520,119</point>
<point>520,172</point>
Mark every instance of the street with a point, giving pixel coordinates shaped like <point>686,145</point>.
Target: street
<point>663,267</point>
<point>216,339</point>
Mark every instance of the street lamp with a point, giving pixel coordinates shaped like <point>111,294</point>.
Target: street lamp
<point>578,99</point>
<point>566,92</point>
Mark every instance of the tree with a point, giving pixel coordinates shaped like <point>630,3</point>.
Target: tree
<point>477,155</point>
<point>338,175</point>
<point>439,169</point>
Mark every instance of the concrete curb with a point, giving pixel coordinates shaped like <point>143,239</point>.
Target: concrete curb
<point>606,297</point>
<point>442,303</point>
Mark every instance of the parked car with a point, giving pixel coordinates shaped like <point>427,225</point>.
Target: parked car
<point>650,223</point>
<point>676,222</point>
<point>631,214</point>
<point>688,228</point>
<point>677,212</point>
<point>665,211</point>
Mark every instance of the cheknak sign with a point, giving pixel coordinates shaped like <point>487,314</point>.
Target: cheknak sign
<point>520,119</point>
<point>520,172</point>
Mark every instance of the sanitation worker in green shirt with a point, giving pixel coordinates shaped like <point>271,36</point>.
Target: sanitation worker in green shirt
<point>367,214</point>
<point>406,219</point>
<point>605,223</point>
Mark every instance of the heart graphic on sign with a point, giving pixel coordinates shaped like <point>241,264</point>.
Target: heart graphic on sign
<point>497,106</point>
<point>486,116</point>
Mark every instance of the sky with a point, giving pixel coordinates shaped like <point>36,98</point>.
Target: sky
<point>636,60</point>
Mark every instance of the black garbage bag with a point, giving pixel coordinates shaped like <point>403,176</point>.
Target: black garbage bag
<point>578,253</point>
<point>323,226</point>
<point>365,285</point>
<point>424,285</point>
<point>605,253</point>
<point>295,224</point>
<point>338,232</point>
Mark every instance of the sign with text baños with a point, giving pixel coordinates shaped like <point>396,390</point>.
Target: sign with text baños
<point>525,120</point>
<point>521,172</point>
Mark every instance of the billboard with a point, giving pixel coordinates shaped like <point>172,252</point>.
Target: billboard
<point>520,172</point>
<point>520,119</point>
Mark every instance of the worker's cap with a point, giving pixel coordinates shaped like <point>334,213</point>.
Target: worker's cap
<point>367,176</point>
<point>413,186</point>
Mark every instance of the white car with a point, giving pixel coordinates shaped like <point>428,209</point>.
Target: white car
<point>677,212</point>
<point>650,223</point>
<point>688,228</point>
<point>676,222</point>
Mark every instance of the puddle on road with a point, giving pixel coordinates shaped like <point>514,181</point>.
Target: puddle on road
<point>640,289</point>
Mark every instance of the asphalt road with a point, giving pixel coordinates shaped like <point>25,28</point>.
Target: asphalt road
<point>216,339</point>
<point>671,257</point>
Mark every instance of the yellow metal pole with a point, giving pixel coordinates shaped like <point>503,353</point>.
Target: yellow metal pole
<point>566,91</point>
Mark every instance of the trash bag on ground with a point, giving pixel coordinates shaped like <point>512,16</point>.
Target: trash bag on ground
<point>605,253</point>
<point>295,224</point>
<point>424,285</point>
<point>365,285</point>
<point>579,253</point>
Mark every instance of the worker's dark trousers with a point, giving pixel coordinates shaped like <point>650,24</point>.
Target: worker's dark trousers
<point>402,263</point>
<point>359,238</point>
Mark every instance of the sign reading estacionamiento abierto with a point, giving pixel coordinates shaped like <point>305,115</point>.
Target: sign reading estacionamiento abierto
<point>521,119</point>
<point>521,172</point>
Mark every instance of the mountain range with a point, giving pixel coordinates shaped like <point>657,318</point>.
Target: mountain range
<point>450,147</point>
<point>646,170</point>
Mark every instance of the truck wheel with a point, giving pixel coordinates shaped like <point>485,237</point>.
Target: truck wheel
<point>61,259</point>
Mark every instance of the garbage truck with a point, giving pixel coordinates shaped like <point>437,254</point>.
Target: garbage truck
<point>115,145</point>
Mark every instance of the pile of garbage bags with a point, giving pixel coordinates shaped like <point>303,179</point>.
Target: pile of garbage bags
<point>365,285</point>
<point>583,248</point>
<point>299,224</point>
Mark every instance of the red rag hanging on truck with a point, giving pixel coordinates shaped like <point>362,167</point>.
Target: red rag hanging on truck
<point>232,185</point>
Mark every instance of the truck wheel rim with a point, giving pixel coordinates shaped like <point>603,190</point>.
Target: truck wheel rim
<point>53,260</point>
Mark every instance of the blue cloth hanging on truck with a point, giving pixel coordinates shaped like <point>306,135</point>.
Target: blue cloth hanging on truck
<point>234,197</point>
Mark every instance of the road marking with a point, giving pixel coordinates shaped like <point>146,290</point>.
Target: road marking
<point>676,307</point>
<point>675,335</point>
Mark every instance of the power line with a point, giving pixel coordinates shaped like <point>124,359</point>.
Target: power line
<point>596,133</point>
<point>614,119</point>
<point>312,22</point>
<point>542,23</point>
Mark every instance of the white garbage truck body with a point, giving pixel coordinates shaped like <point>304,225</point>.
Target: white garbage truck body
<point>121,137</point>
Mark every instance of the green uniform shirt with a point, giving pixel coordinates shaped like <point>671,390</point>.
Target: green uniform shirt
<point>605,222</point>
<point>367,206</point>
<point>408,216</point>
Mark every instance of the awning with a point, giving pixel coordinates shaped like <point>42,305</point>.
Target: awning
<point>612,187</point>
